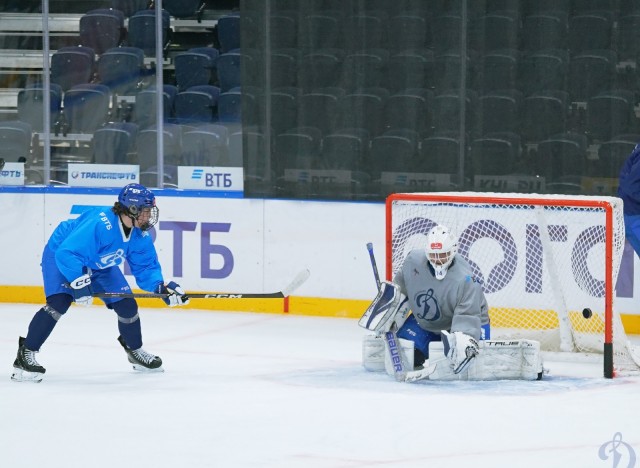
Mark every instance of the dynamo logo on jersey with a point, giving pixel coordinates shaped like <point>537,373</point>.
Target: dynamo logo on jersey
<point>111,259</point>
<point>430,308</point>
<point>197,174</point>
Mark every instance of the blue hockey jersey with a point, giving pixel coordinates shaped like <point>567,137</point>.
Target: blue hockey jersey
<point>629,186</point>
<point>96,240</point>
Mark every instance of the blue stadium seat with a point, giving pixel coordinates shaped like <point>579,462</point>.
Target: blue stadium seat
<point>366,68</point>
<point>72,65</point>
<point>499,111</point>
<point>184,8</point>
<point>543,70</point>
<point>142,31</point>
<point>229,68</point>
<point>346,149</point>
<point>145,106</point>
<point>15,140</point>
<point>590,73</point>
<point>439,154</point>
<point>545,30</point>
<point>31,105</point>
<point>320,68</point>
<point>230,105</point>
<point>129,7</point>
<point>561,156</point>
<point>497,30</point>
<point>362,109</point>
<point>495,154</point>
<point>146,144</point>
<point>197,66</point>
<point>113,143</point>
<point>321,30</point>
<point>393,152</point>
<point>121,69</point>
<point>206,145</point>
<point>102,29</point>
<point>86,107</point>
<point>446,111</point>
<point>612,155</point>
<point>611,113</point>
<point>409,110</point>
<point>229,32</point>
<point>409,31</point>
<point>496,69</point>
<point>297,148</point>
<point>365,30</point>
<point>197,104</point>
<point>590,31</point>
<point>544,114</point>
<point>319,109</point>
<point>410,69</point>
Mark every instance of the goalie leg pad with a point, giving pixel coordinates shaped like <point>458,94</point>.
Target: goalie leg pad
<point>382,311</point>
<point>497,360</point>
<point>407,349</point>
<point>373,353</point>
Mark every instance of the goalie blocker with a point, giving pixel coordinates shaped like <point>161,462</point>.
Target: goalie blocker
<point>497,360</point>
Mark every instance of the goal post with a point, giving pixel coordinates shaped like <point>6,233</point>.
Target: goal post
<point>542,260</point>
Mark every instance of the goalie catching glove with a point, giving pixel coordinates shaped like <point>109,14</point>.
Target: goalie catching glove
<point>460,348</point>
<point>176,295</point>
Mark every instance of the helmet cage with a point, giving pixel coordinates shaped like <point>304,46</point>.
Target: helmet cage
<point>137,200</point>
<point>441,249</point>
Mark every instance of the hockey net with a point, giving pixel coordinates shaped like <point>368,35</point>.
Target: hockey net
<point>542,260</point>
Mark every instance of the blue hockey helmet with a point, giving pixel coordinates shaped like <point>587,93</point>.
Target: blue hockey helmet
<point>139,203</point>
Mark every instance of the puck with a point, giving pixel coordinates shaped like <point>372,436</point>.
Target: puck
<point>586,313</point>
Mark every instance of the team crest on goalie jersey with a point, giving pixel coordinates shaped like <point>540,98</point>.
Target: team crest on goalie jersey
<point>430,309</point>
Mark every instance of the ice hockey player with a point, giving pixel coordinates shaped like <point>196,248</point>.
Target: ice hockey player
<point>447,301</point>
<point>440,312</point>
<point>83,257</point>
<point>629,191</point>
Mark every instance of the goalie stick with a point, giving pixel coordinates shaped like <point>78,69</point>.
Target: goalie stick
<point>295,284</point>
<point>400,367</point>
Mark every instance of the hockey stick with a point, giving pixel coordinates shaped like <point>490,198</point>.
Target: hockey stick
<point>372,258</point>
<point>295,284</point>
<point>390,337</point>
<point>400,367</point>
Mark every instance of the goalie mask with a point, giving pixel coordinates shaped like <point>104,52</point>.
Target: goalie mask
<point>441,250</point>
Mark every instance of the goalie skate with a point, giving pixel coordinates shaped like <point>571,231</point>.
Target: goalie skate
<point>25,367</point>
<point>141,360</point>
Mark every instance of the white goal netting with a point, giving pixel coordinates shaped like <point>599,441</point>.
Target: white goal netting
<point>542,260</point>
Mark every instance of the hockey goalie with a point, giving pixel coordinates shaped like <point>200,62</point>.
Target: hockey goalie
<point>432,322</point>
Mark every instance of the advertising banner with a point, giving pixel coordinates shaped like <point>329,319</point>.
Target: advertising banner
<point>103,175</point>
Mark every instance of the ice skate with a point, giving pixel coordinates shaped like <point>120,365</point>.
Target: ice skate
<point>25,367</point>
<point>141,360</point>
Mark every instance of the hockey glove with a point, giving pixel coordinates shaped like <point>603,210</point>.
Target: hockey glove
<point>176,295</point>
<point>460,348</point>
<point>81,290</point>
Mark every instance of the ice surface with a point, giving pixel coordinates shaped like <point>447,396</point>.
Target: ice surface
<point>263,390</point>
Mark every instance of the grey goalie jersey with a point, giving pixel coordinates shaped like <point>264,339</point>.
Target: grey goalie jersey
<point>455,303</point>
